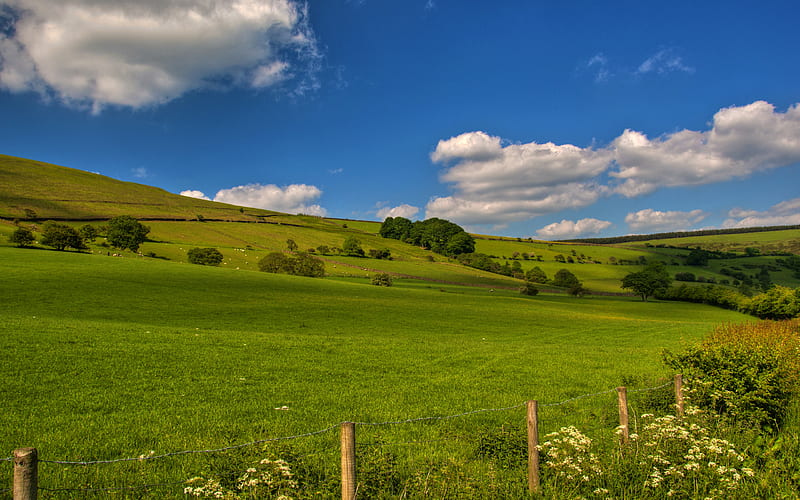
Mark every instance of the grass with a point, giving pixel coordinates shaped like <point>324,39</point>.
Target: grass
<point>105,358</point>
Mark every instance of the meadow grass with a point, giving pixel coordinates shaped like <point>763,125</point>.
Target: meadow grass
<point>105,358</point>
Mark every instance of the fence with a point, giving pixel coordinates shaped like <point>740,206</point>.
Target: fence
<point>26,461</point>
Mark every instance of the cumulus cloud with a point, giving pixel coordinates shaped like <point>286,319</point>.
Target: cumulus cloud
<point>786,213</point>
<point>742,140</point>
<point>650,220</point>
<point>496,182</point>
<point>293,199</point>
<point>404,210</point>
<point>193,193</point>
<point>138,53</point>
<point>571,229</point>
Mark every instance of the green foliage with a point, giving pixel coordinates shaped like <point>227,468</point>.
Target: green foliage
<point>507,447</point>
<point>713,295</point>
<point>653,279</point>
<point>61,236</point>
<point>291,245</point>
<point>382,279</point>
<point>565,278</point>
<point>528,289</point>
<point>748,372</point>
<point>438,235</point>
<point>88,232</point>
<point>382,253</point>
<point>777,303</point>
<point>301,264</point>
<point>21,237</point>
<point>536,275</point>
<point>352,247</point>
<point>205,256</point>
<point>126,233</point>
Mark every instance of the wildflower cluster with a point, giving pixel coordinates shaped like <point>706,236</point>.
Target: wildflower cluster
<point>682,460</point>
<point>268,478</point>
<point>567,453</point>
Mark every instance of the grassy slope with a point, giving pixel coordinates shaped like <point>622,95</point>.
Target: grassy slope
<point>155,355</point>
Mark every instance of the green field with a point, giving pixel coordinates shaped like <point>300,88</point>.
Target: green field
<point>106,358</point>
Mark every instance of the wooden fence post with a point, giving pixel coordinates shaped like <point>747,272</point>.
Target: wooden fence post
<point>533,447</point>
<point>679,394</point>
<point>26,474</point>
<point>622,401</point>
<point>348,460</point>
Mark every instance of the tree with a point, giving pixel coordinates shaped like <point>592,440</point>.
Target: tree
<point>205,256</point>
<point>323,249</point>
<point>396,228</point>
<point>276,262</point>
<point>460,243</point>
<point>307,265</point>
<point>61,236</point>
<point>88,232</point>
<point>291,245</point>
<point>653,279</point>
<point>536,275</point>
<point>21,237</point>
<point>565,278</point>
<point>528,289</point>
<point>125,232</point>
<point>352,247</point>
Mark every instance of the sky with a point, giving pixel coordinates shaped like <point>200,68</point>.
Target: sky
<point>549,120</point>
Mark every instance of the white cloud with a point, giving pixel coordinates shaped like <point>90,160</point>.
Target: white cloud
<point>570,229</point>
<point>650,220</point>
<point>140,173</point>
<point>495,182</point>
<point>786,213</point>
<point>663,61</point>
<point>146,52</point>
<point>404,210</point>
<point>293,199</point>
<point>742,140</point>
<point>598,64</point>
<point>193,193</point>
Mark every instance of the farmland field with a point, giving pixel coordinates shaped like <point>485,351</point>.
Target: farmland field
<point>105,357</point>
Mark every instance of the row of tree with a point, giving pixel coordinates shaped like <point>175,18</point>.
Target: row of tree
<point>123,232</point>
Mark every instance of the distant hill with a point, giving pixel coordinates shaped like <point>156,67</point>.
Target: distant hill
<point>35,190</point>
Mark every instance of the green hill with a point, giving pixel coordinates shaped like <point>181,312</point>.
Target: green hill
<point>32,192</point>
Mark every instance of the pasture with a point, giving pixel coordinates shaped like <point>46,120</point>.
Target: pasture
<point>105,357</point>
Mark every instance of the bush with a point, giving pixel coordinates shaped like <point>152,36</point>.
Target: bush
<point>382,279</point>
<point>302,264</point>
<point>747,371</point>
<point>528,289</point>
<point>205,256</point>
<point>21,237</point>
<point>61,236</point>
<point>777,303</point>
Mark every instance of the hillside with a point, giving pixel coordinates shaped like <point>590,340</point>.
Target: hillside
<point>32,192</point>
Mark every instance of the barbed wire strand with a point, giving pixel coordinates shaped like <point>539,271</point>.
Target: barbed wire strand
<point>188,452</point>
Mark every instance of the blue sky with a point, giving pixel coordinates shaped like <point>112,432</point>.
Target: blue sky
<point>533,119</point>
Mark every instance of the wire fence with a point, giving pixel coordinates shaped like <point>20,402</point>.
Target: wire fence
<point>444,435</point>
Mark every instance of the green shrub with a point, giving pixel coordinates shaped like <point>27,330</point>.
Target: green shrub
<point>528,289</point>
<point>205,256</point>
<point>21,237</point>
<point>382,279</point>
<point>748,372</point>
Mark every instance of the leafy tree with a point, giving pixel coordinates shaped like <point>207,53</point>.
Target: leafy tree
<point>779,302</point>
<point>653,279</point>
<point>565,278</point>
<point>528,289</point>
<point>276,262</point>
<point>61,236</point>
<point>307,265</point>
<point>125,232</point>
<point>560,258</point>
<point>382,279</point>
<point>685,277</point>
<point>323,249</point>
<point>291,245</point>
<point>352,247</point>
<point>479,261</point>
<point>205,256</point>
<point>460,243</point>
<point>383,253</point>
<point>697,257</point>
<point>21,237</point>
<point>396,228</point>
<point>88,232</point>
<point>536,275</point>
